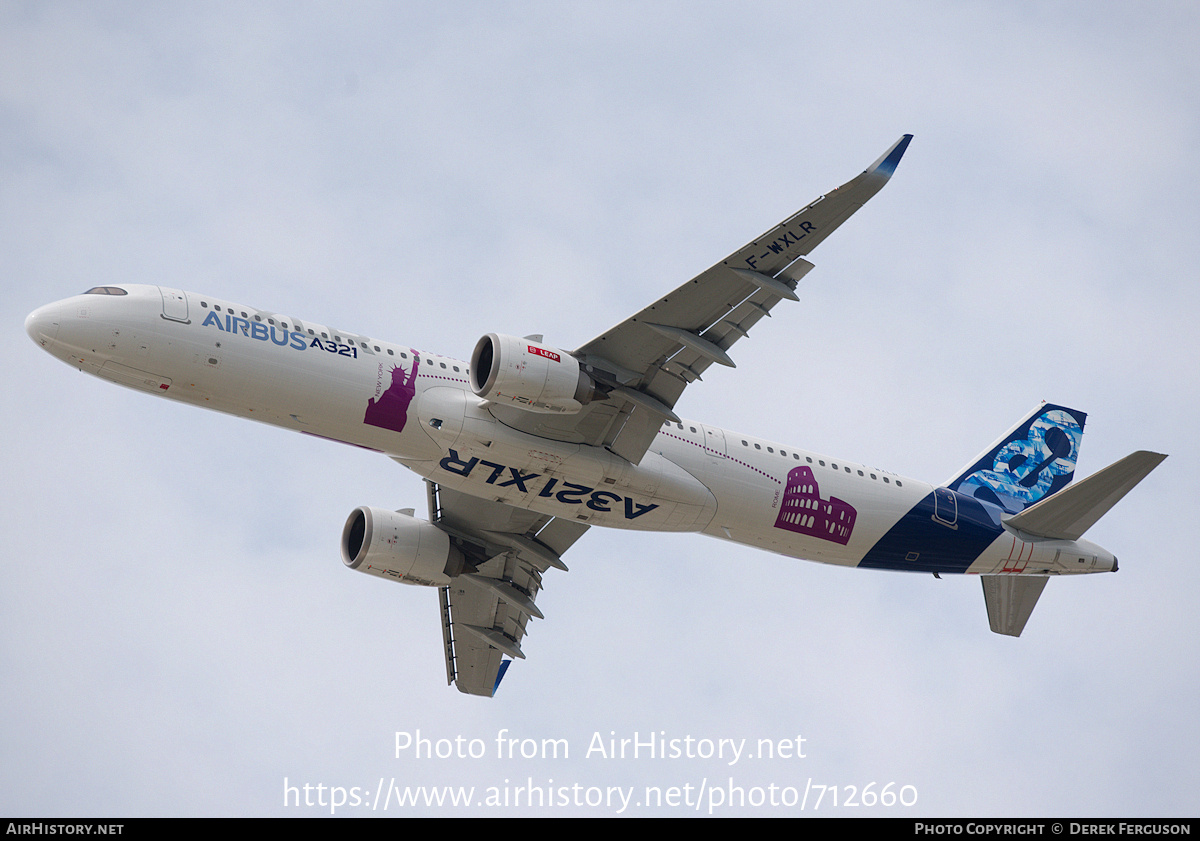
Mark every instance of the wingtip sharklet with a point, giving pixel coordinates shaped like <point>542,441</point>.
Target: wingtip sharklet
<point>886,165</point>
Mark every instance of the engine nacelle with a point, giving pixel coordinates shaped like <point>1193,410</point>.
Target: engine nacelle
<point>529,375</point>
<point>394,545</point>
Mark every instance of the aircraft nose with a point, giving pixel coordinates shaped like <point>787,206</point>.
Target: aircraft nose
<point>42,325</point>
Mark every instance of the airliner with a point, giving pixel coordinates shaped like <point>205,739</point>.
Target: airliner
<point>526,446</point>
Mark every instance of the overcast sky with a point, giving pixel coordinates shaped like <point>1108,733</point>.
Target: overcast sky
<point>178,635</point>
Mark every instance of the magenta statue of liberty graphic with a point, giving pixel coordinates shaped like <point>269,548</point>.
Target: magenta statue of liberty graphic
<point>390,409</point>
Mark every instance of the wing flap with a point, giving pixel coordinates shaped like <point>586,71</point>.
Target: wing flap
<point>471,663</point>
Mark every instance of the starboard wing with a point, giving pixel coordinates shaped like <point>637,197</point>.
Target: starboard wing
<point>646,361</point>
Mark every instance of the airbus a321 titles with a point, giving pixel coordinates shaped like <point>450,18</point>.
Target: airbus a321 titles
<point>527,446</point>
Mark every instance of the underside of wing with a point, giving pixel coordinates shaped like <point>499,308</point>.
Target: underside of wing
<point>642,365</point>
<point>485,611</point>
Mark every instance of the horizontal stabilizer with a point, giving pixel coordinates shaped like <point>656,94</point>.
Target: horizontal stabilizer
<point>1010,600</point>
<point>1073,510</point>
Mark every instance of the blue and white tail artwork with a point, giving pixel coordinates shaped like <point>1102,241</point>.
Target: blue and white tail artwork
<point>1031,462</point>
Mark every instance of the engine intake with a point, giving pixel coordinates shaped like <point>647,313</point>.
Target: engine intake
<point>529,375</point>
<point>391,544</point>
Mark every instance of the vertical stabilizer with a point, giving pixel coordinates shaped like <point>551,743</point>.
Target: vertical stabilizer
<point>1031,461</point>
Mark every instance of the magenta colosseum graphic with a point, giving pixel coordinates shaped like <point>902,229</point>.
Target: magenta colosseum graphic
<point>804,512</point>
<point>389,410</point>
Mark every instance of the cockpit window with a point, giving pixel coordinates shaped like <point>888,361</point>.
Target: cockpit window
<point>106,290</point>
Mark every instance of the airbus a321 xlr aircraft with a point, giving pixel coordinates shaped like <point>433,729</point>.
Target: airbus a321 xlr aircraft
<point>527,446</point>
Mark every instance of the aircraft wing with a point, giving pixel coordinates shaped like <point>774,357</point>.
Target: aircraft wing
<point>646,361</point>
<point>485,612</point>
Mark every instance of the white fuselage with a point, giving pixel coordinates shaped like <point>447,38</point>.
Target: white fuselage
<point>418,408</point>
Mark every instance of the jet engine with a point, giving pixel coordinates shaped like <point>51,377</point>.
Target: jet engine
<point>529,375</point>
<point>395,545</point>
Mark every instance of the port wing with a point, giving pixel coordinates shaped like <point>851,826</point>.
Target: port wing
<point>485,612</point>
